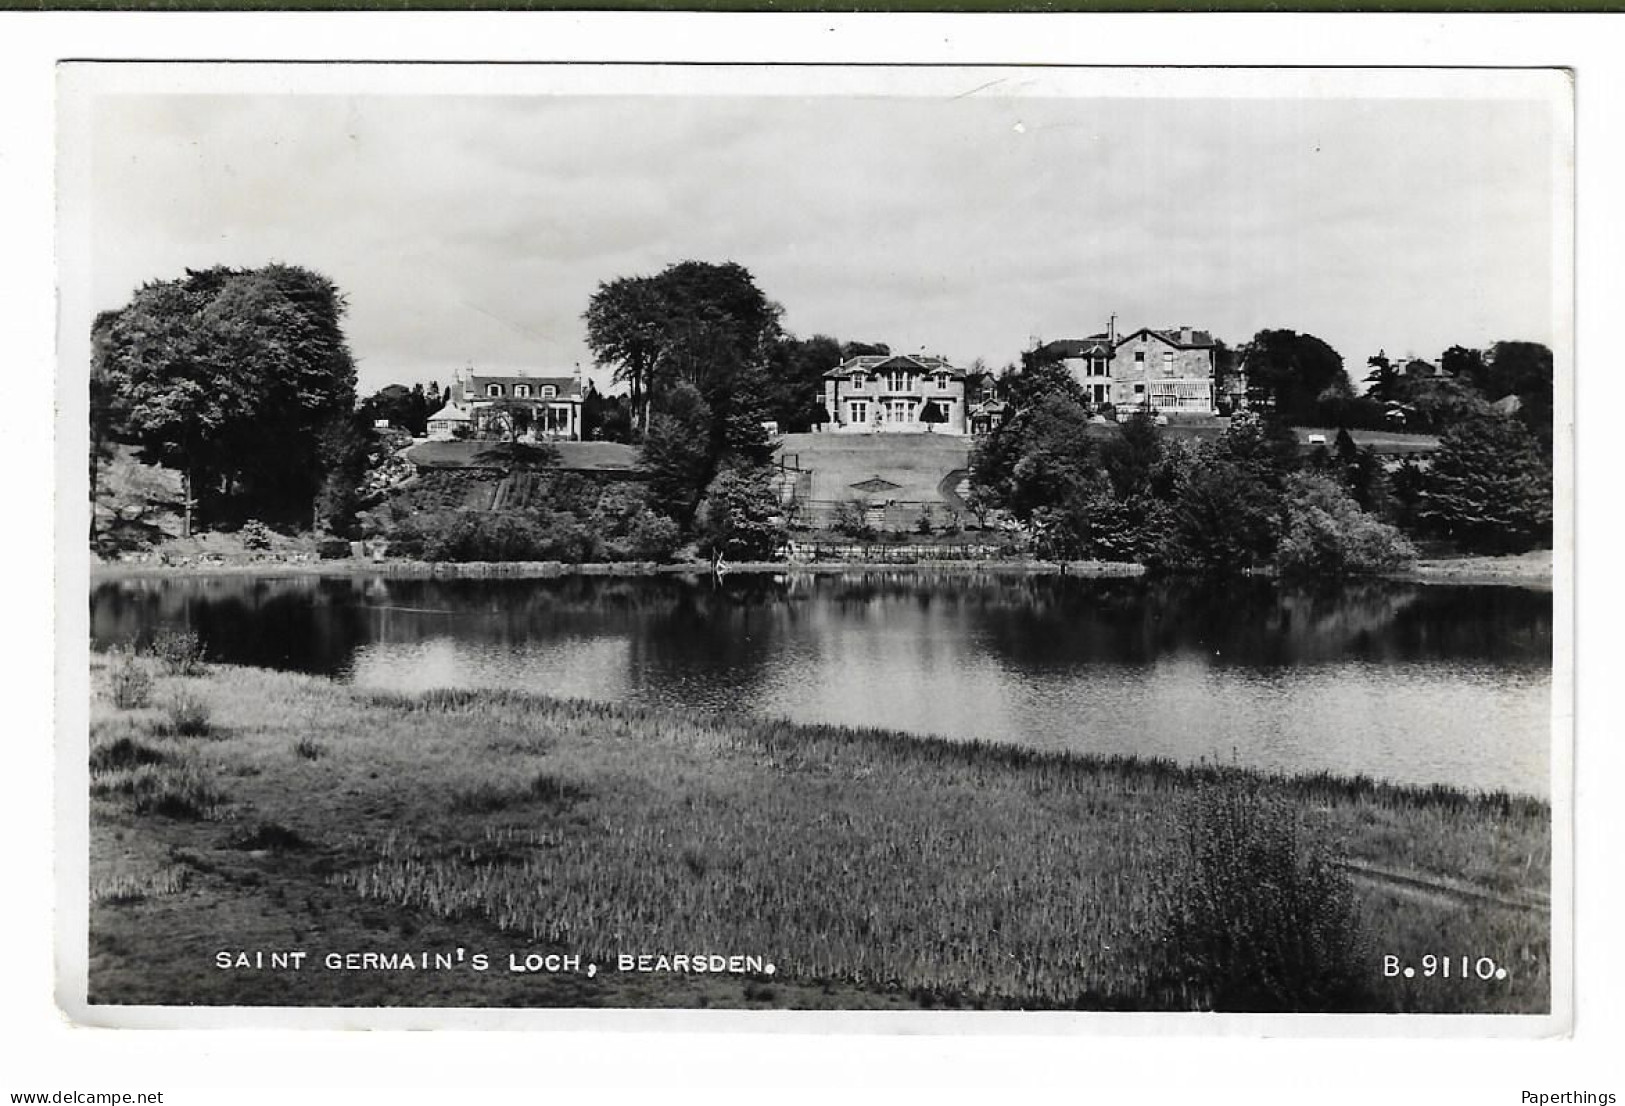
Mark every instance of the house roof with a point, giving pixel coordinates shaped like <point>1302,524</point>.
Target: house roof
<point>568,386</point>
<point>1078,347</point>
<point>879,362</point>
<point>450,412</point>
<point>1173,335</point>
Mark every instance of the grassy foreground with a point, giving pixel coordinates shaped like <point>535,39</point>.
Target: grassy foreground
<point>248,811</point>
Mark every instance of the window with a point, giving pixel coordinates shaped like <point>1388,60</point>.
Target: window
<point>857,382</point>
<point>493,389</point>
<point>899,381</point>
<point>943,380</point>
<point>1139,359</point>
<point>521,391</point>
<point>1139,389</point>
<point>1098,365</point>
<point>899,410</point>
<point>549,391</point>
<point>1168,362</point>
<point>860,411</point>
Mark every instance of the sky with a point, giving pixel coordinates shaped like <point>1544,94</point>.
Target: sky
<point>472,230</point>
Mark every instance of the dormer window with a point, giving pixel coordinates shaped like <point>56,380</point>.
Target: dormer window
<point>857,382</point>
<point>549,391</point>
<point>521,391</point>
<point>942,382</point>
<point>899,381</point>
<point>493,390</point>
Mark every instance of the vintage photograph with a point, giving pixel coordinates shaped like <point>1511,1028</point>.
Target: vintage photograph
<point>919,540</point>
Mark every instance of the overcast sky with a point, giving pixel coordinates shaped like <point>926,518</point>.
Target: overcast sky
<point>474,230</point>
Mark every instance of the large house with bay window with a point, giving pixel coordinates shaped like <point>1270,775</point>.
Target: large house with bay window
<point>1172,370</point>
<point>895,393</point>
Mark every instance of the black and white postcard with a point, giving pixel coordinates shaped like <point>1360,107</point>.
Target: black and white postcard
<point>919,547</point>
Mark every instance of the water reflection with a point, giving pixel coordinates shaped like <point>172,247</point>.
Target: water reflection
<point>1417,683</point>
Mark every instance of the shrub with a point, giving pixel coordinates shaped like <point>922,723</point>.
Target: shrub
<point>179,651</point>
<point>310,750</point>
<point>123,753</point>
<point>129,680</point>
<point>255,535</point>
<point>741,515</point>
<point>1261,917</point>
<point>185,716</point>
<point>332,549</point>
<point>170,790</point>
<point>1326,533</point>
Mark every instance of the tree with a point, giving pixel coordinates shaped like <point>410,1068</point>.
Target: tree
<point>741,516</point>
<point>677,453</point>
<point>1489,489</point>
<point>230,376</point>
<point>1294,374</point>
<point>695,321</point>
<point>106,406</point>
<point>795,385</point>
<point>1325,533</point>
<point>1384,382</point>
<point>1524,369</point>
<point>1224,519</point>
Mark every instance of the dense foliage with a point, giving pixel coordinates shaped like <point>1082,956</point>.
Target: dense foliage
<point>233,376</point>
<point>1489,488</point>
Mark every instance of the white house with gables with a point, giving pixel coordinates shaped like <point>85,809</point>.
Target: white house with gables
<point>895,394</point>
<point>553,402</point>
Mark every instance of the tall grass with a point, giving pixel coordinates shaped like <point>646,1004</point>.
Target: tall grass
<point>1260,915</point>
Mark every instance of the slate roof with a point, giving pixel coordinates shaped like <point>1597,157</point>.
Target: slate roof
<point>568,386</point>
<point>451,412</point>
<point>881,362</point>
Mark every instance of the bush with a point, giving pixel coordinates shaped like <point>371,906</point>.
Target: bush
<point>255,535</point>
<point>185,716</point>
<point>1326,534</point>
<point>129,680</point>
<point>1261,917</point>
<point>332,549</point>
<point>180,652</point>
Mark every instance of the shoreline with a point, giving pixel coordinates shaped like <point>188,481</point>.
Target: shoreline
<point>1526,570</point>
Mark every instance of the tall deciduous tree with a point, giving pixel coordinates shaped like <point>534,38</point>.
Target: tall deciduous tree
<point>694,321</point>
<point>231,376</point>
<point>1294,374</point>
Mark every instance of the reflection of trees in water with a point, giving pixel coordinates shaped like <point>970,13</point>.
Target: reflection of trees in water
<point>316,624</point>
<point>309,624</point>
<point>1047,620</point>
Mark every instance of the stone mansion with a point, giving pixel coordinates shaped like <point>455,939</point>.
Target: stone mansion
<point>895,393</point>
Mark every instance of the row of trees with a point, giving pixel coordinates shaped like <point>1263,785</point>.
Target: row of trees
<point>1250,497</point>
